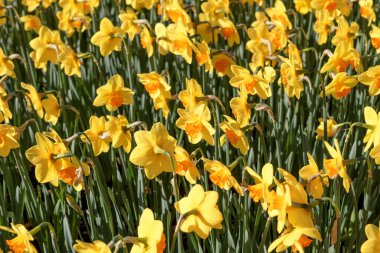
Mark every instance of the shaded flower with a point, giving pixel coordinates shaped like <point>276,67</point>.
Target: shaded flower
<point>340,86</point>
<point>118,129</point>
<point>235,134</point>
<point>98,135</point>
<point>332,128</point>
<point>95,247</point>
<point>371,78</point>
<point>22,241</point>
<point>185,166</point>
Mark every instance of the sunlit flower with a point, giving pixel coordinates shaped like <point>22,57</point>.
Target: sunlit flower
<point>371,78</point>
<point>147,40</point>
<point>260,190</point>
<point>240,108</point>
<point>118,129</point>
<point>221,176</point>
<point>375,154</point>
<point>200,212</point>
<point>296,237</point>
<point>190,97</point>
<point>113,94</point>
<point>336,165</point>
<point>69,61</point>
<point>315,180</point>
<point>222,64</point>
<point>153,150</point>
<point>33,98</point>
<point>6,65</point>
<point>108,38</point>
<point>373,135</point>
<point>22,242</point>
<point>185,166</point>
<point>139,4</point>
<point>229,32</point>
<point>372,245</point>
<point>98,135</point>
<point>52,108</point>
<point>278,202</point>
<point>43,157</point>
<point>150,234</point>
<point>342,58</point>
<point>46,46</point>
<point>8,139</point>
<point>291,72</point>
<point>332,128</point>
<point>345,33</point>
<point>95,247</point>
<point>323,25</point>
<point>254,84</point>
<point>180,44</point>
<point>3,17</point>
<point>340,86</point>
<point>202,53</point>
<point>375,38</point>
<point>196,124</point>
<point>33,4</point>
<point>235,134</point>
<point>303,6</point>
<point>129,26</point>
<point>367,11</point>
<point>31,22</point>
<point>5,112</point>
<point>158,89</point>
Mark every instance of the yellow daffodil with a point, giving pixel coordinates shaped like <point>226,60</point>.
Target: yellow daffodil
<point>70,22</point>
<point>254,84</point>
<point>158,89</point>
<point>73,7</point>
<point>371,78</point>
<point>333,7</point>
<point>297,238</point>
<point>221,176</point>
<point>5,112</point>
<point>31,22</point>
<point>109,37</point>
<point>118,129</point>
<point>278,13</point>
<point>336,165</point>
<point>33,4</point>
<point>234,134</point>
<point>323,25</point>
<point>229,32</point>
<point>375,154</point>
<point>345,33</point>
<point>367,11</point>
<point>332,128</point>
<point>202,53</point>
<point>6,65</point>
<point>180,44</point>
<point>260,190</point>
<point>3,17</point>
<point>375,38</point>
<point>291,72</point>
<point>139,4</point>
<point>69,61</point>
<point>52,108</point>
<point>315,179</point>
<point>152,150</point>
<point>278,202</point>
<point>240,108</point>
<point>342,58</point>
<point>72,173</point>
<point>22,242</point>
<point>373,135</point>
<point>43,156</point>
<point>303,6</point>
<point>150,234</point>
<point>372,245</point>
<point>113,94</point>
<point>46,46</point>
<point>340,86</point>
<point>98,135</point>
<point>147,40</point>
<point>222,64</point>
<point>33,98</point>
<point>129,26</point>
<point>8,139</point>
<point>185,166</point>
<point>196,124</point>
<point>200,212</point>
<point>190,97</point>
<point>95,247</point>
